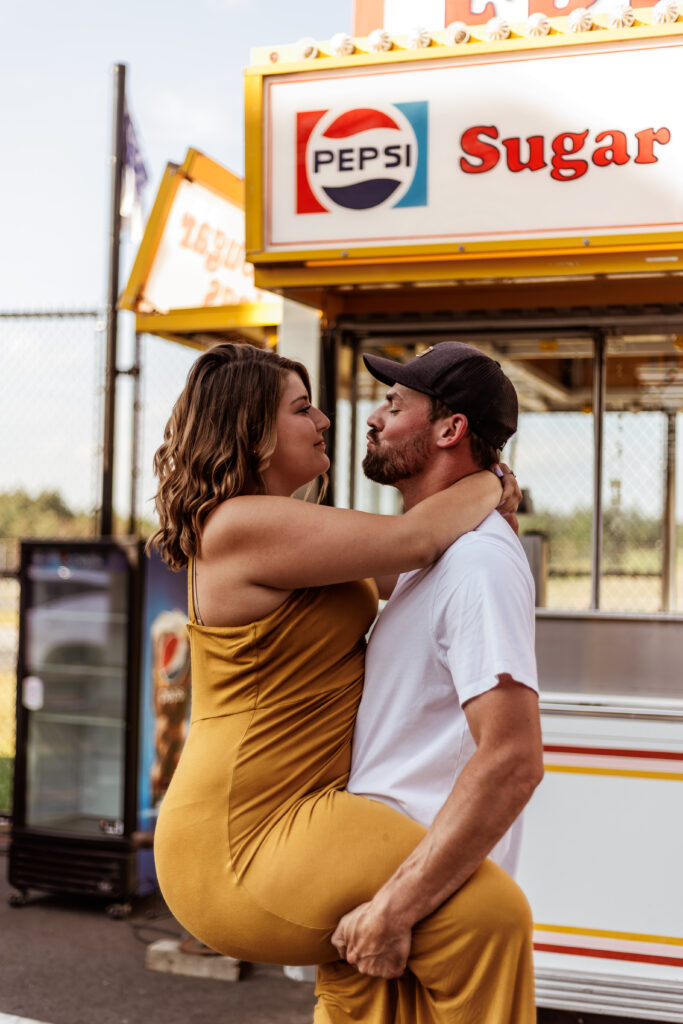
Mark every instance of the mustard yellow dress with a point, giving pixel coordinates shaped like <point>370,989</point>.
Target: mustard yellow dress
<point>259,850</point>
<point>243,849</point>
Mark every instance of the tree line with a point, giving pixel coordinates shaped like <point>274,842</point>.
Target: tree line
<point>631,540</point>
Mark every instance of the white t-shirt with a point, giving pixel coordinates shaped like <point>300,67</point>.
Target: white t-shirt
<point>444,636</point>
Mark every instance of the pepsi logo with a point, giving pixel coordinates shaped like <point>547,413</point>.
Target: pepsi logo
<point>363,158</point>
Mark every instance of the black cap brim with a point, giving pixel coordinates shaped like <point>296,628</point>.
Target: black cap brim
<point>388,371</point>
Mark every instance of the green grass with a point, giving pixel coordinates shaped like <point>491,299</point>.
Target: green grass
<point>8,684</point>
<point>7,698</point>
<point>6,775</point>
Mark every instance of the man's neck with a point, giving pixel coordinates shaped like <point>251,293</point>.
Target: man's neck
<point>439,475</point>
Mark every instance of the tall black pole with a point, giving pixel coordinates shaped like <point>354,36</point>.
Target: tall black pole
<point>116,159</point>
<point>135,441</point>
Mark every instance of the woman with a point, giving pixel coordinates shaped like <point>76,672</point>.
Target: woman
<point>259,850</point>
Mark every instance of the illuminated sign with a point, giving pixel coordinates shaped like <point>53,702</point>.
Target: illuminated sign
<point>516,146</point>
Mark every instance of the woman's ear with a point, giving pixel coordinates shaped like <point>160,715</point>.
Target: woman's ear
<point>452,429</point>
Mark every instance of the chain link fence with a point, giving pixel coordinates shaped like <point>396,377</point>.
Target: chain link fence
<point>50,415</point>
<point>165,365</point>
<point>633,511</point>
<point>553,455</point>
<point>642,472</point>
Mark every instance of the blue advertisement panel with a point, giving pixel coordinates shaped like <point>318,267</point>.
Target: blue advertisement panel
<point>164,692</point>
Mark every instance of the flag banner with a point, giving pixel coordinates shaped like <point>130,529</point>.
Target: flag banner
<point>134,179</point>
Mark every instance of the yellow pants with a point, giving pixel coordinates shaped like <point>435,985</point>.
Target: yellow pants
<point>470,963</point>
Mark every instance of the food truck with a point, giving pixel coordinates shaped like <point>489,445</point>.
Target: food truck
<point>513,177</point>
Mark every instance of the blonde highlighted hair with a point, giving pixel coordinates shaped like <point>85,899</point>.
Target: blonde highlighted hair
<point>217,442</point>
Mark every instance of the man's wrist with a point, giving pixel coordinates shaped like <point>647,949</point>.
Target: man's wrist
<point>392,912</point>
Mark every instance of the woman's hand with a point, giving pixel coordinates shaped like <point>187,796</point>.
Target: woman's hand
<point>512,494</point>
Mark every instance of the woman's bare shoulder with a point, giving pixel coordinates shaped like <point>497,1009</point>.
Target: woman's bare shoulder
<point>227,596</point>
<point>236,517</point>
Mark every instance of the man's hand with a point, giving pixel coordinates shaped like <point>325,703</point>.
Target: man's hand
<point>487,797</point>
<point>370,944</point>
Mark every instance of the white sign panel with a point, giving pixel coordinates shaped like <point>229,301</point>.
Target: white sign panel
<point>200,259</point>
<point>530,145</point>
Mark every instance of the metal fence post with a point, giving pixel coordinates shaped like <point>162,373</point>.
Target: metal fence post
<point>599,389</point>
<point>669,524</point>
<point>118,145</point>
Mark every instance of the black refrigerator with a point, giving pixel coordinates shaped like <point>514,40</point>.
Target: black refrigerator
<point>102,707</point>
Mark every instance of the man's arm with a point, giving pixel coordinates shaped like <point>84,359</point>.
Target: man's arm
<point>488,795</point>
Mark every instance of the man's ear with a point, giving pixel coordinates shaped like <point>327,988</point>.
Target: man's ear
<point>452,429</point>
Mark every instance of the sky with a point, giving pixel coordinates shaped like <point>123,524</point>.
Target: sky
<point>184,83</point>
<point>185,61</point>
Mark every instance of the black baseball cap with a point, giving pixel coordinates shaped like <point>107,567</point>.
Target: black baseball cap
<point>464,379</point>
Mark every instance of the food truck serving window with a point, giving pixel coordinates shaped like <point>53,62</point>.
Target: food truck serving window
<point>446,190</point>
<point>614,549</point>
<point>599,441</point>
<point>554,454</point>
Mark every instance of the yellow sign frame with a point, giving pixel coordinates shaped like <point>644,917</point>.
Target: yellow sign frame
<point>257,321</point>
<point>422,263</point>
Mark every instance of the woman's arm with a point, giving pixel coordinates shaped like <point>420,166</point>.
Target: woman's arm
<point>285,544</point>
<point>507,507</point>
<point>386,584</point>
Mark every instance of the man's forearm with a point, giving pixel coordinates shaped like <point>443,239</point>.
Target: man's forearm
<point>489,794</point>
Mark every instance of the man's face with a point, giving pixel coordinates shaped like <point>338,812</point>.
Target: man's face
<point>401,436</point>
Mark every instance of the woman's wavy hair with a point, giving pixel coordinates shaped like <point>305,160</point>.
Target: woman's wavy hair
<point>219,439</point>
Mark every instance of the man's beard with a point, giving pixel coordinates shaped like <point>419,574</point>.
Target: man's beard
<point>389,465</point>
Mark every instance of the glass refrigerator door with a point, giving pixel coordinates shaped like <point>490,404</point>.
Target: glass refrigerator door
<point>74,687</point>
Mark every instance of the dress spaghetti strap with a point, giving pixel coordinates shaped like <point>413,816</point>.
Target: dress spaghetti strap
<point>192,604</point>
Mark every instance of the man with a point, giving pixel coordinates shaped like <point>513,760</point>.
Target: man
<point>448,728</point>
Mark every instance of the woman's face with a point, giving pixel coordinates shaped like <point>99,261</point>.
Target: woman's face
<point>299,455</point>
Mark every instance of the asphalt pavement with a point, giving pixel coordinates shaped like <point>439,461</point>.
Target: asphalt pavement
<point>66,962</point>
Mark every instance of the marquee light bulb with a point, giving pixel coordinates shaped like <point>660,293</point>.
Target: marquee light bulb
<point>666,12</point>
<point>580,20</point>
<point>380,41</point>
<point>419,39</point>
<point>497,29</point>
<point>307,48</point>
<point>538,25</point>
<point>457,32</point>
<point>622,15</point>
<point>342,44</point>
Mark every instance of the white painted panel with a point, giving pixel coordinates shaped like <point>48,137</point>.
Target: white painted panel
<point>605,852</point>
